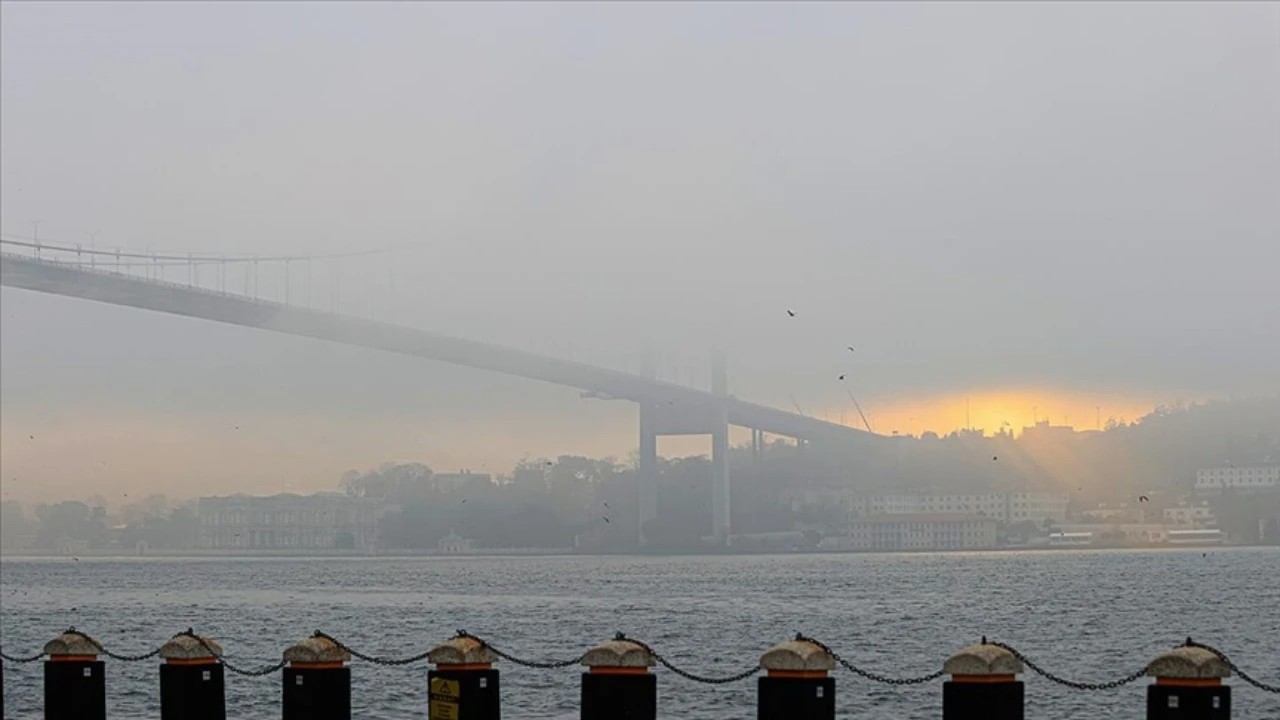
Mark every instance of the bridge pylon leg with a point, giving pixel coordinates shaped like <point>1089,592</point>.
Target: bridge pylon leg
<point>720,478</point>
<point>647,471</point>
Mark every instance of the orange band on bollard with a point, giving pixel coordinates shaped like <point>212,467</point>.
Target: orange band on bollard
<point>73,658</point>
<point>982,678</point>
<point>805,674</point>
<point>1189,682</point>
<point>192,661</point>
<point>328,665</point>
<point>463,666</point>
<point>604,670</point>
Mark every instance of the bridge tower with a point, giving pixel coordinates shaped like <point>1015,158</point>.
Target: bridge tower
<point>720,521</point>
<point>647,471</point>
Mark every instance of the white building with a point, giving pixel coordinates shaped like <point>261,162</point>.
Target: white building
<point>923,531</point>
<point>1189,515</point>
<point>1003,507</point>
<point>1215,480</point>
<point>321,521</point>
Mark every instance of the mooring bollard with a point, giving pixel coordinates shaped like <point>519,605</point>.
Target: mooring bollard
<point>191,679</point>
<point>464,685</point>
<point>75,685</point>
<point>797,686</point>
<point>317,681</point>
<point>1188,685</point>
<point>983,684</point>
<point>617,684</point>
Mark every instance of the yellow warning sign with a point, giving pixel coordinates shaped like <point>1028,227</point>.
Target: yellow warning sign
<point>443,699</point>
<point>441,710</point>
<point>443,686</point>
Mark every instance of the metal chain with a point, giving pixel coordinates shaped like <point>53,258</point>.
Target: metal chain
<point>685,673</point>
<point>389,662</point>
<point>1234,668</point>
<point>539,665</point>
<point>108,653</point>
<point>875,677</point>
<point>265,670</point>
<point>12,659</point>
<point>1110,685</point>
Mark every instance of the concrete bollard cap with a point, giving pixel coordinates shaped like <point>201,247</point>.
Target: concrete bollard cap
<point>1188,662</point>
<point>797,655</point>
<point>619,653</point>
<point>983,659</point>
<point>461,650</point>
<point>71,642</point>
<point>316,650</point>
<point>185,647</point>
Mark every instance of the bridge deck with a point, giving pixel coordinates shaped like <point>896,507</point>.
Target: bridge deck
<point>132,291</point>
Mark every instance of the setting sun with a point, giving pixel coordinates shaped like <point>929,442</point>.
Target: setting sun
<point>995,410</point>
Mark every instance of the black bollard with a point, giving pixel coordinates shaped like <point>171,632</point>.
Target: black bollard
<point>464,685</point>
<point>797,686</point>
<point>192,686</point>
<point>75,685</point>
<point>983,685</point>
<point>317,682</point>
<point>618,684</point>
<point>1188,685</point>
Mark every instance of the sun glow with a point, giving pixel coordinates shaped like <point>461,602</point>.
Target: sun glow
<point>994,411</point>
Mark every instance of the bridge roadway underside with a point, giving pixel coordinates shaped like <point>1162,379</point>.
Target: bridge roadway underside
<point>666,408</point>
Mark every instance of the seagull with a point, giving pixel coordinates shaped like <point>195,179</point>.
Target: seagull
<point>791,313</point>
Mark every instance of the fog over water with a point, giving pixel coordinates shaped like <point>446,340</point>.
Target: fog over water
<point>1062,207</point>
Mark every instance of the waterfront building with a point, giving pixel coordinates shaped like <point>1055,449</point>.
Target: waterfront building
<point>323,521</point>
<point>1189,515</point>
<point>922,531</point>
<point>1007,507</point>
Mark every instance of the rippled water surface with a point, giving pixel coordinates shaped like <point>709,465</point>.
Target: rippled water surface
<point>1090,615</point>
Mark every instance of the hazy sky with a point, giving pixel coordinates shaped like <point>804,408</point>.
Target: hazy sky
<point>1065,206</point>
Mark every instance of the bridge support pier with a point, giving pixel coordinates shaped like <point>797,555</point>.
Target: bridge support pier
<point>647,480</point>
<point>720,525</point>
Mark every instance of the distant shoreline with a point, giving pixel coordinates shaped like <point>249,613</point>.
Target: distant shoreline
<point>568,552</point>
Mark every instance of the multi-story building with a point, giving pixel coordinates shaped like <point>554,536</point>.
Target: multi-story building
<point>1211,481</point>
<point>923,531</point>
<point>330,520</point>
<point>1003,507</point>
<point>1190,515</point>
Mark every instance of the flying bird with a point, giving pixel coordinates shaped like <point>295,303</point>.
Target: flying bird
<point>605,519</point>
<point>842,377</point>
<point>995,457</point>
<point>1143,498</point>
<point>791,313</point>
<point>850,348</point>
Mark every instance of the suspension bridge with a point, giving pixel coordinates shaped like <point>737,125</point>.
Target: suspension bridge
<point>227,288</point>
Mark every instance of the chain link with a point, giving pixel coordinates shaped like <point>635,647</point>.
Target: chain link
<point>704,679</point>
<point>13,659</point>
<point>108,653</point>
<point>539,665</point>
<point>1234,668</point>
<point>1109,685</point>
<point>874,677</point>
<point>388,662</point>
<point>265,670</point>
